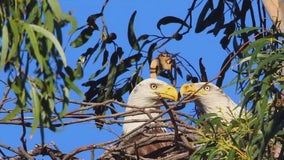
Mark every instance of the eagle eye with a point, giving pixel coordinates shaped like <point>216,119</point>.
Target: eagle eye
<point>153,86</point>
<point>206,88</point>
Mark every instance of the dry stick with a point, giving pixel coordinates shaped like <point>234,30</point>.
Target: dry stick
<point>106,116</point>
<point>25,154</point>
<point>85,148</point>
<point>234,55</point>
<point>24,130</point>
<point>10,149</point>
<point>18,121</point>
<point>172,118</point>
<point>91,105</point>
<point>5,96</point>
<point>78,150</point>
<point>149,138</point>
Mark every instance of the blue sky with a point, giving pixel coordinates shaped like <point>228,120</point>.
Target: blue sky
<point>117,13</point>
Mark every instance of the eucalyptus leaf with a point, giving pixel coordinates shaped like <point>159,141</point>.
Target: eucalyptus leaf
<point>4,47</point>
<point>52,38</point>
<point>131,34</point>
<point>36,110</point>
<point>54,4</point>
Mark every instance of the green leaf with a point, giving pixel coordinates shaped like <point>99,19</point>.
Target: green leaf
<point>56,9</point>
<point>5,45</point>
<point>143,37</point>
<point>105,57</point>
<point>100,51</point>
<point>232,154</point>
<point>65,101</point>
<point>122,90</point>
<point>245,30</point>
<point>98,71</point>
<point>78,72</point>
<point>36,111</point>
<point>35,45</point>
<point>111,79</point>
<point>257,46</point>
<point>73,21</point>
<point>92,20</point>
<point>131,34</point>
<point>54,40</point>
<point>33,13</point>
<point>13,113</point>
<point>82,38</point>
<point>71,85</point>
<point>150,52</point>
<point>49,25</point>
<point>170,19</point>
<point>200,26</point>
<point>16,39</point>
<point>49,21</point>
<point>269,60</point>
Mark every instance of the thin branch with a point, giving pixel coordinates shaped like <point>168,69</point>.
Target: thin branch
<point>172,116</point>
<point>5,96</point>
<point>25,154</point>
<point>23,140</point>
<point>10,148</point>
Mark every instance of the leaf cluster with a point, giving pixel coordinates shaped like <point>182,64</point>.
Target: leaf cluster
<point>33,58</point>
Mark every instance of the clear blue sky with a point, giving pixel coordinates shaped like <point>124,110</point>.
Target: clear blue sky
<point>117,13</point>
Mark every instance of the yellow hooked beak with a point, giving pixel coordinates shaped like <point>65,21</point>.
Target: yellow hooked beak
<point>190,88</point>
<point>168,92</point>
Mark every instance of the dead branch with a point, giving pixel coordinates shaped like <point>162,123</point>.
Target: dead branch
<point>179,141</point>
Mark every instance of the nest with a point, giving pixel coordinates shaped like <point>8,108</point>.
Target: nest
<point>151,142</point>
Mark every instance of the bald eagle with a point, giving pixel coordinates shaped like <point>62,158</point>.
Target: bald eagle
<point>211,99</point>
<point>152,142</point>
<point>146,94</point>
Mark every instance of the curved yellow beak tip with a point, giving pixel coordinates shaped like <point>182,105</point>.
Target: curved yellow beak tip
<point>183,89</point>
<point>186,89</point>
<point>169,92</point>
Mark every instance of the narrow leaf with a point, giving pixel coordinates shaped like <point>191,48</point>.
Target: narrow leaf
<point>200,26</point>
<point>111,80</point>
<point>5,45</point>
<point>82,38</point>
<point>131,34</point>
<point>170,19</point>
<point>54,40</point>
<point>73,21</point>
<point>245,30</point>
<point>65,101</point>
<point>54,4</point>
<point>16,38</point>
<point>99,71</point>
<point>35,45</point>
<point>150,52</point>
<point>71,85</point>
<point>36,111</point>
<point>13,113</point>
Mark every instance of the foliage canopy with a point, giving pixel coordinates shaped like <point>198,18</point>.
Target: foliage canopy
<point>39,78</point>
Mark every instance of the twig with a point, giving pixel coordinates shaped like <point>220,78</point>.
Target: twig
<point>10,148</point>
<point>172,118</point>
<point>23,140</point>
<point>85,148</point>
<point>25,154</point>
<point>234,55</point>
<point>5,96</point>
